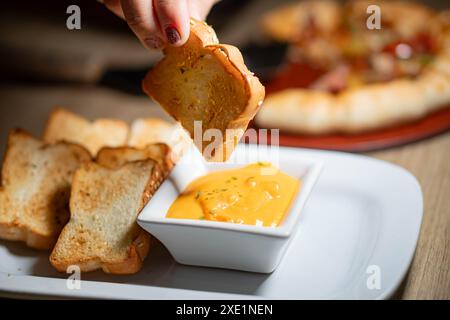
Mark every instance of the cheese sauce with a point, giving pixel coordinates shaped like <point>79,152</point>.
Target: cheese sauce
<point>258,194</point>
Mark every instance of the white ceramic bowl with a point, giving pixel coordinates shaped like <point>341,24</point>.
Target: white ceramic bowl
<point>229,245</point>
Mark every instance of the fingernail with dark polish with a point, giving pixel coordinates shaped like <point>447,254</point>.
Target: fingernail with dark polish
<point>172,35</point>
<point>153,42</point>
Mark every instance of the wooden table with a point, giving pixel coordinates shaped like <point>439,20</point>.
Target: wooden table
<point>429,162</point>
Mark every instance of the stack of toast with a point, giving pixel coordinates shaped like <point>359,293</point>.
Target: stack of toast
<point>79,190</point>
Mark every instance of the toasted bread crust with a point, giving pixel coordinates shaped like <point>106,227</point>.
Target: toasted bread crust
<point>154,130</point>
<point>136,251</point>
<point>136,255</point>
<point>116,157</point>
<point>255,94</point>
<point>13,232</point>
<point>203,39</point>
<point>63,125</point>
<point>17,230</point>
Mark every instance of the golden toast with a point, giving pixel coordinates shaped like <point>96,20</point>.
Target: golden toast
<point>152,130</point>
<point>208,82</point>
<point>35,188</point>
<point>102,232</point>
<point>63,125</point>
<point>114,158</point>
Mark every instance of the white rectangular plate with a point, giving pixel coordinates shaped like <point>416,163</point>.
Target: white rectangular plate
<point>356,239</point>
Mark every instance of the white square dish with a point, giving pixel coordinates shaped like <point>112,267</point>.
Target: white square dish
<point>363,215</point>
<point>229,245</point>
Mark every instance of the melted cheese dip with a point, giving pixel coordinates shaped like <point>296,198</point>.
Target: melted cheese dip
<point>258,194</point>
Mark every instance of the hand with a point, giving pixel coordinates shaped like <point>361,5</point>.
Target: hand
<point>157,22</point>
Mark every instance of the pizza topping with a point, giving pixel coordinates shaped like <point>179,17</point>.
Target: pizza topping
<point>334,81</point>
<point>403,51</point>
<point>383,63</point>
<point>421,43</point>
<point>335,40</point>
<point>383,67</point>
<point>287,77</point>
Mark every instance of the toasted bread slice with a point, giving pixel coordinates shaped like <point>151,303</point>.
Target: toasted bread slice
<point>153,130</point>
<point>102,232</point>
<point>63,125</point>
<point>208,82</point>
<point>114,158</point>
<point>35,188</point>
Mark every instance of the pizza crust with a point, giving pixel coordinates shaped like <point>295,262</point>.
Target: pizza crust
<point>365,108</point>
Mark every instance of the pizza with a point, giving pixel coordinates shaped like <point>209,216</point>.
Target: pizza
<point>363,78</point>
